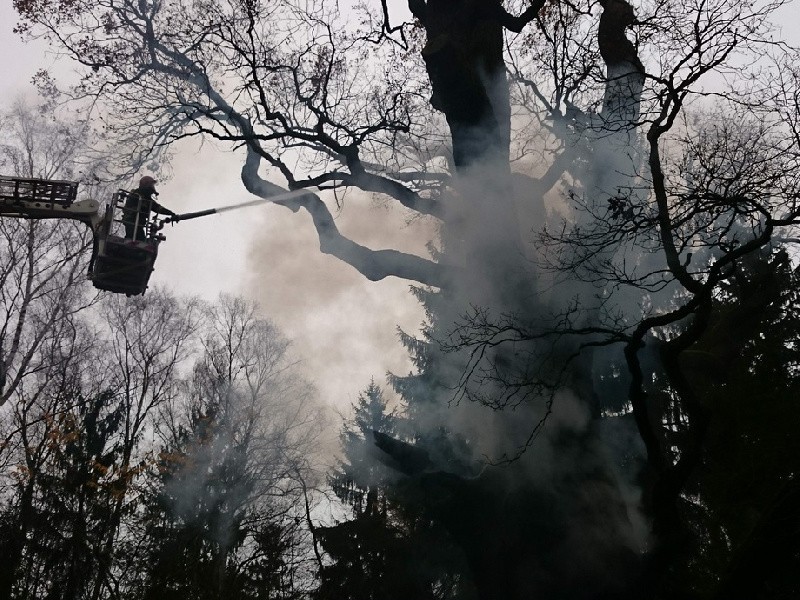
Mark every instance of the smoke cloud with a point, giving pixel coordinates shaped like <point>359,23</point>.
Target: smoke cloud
<point>343,326</point>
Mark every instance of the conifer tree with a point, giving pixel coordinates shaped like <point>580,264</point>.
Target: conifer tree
<point>388,550</point>
<point>359,478</point>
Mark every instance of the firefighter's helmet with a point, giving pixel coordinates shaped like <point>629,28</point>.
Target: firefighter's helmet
<point>147,183</point>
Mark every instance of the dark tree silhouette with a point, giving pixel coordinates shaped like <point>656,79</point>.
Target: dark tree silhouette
<point>643,198</point>
<point>388,549</point>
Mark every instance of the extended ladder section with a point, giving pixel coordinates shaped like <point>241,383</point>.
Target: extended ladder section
<point>45,199</point>
<point>44,192</point>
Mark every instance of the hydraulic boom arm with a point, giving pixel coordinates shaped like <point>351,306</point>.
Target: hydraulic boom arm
<point>45,199</point>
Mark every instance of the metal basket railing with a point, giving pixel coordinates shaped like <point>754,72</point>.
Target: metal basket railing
<point>128,222</point>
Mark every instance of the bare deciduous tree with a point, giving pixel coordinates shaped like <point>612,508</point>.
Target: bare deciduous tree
<point>42,262</point>
<point>239,444</point>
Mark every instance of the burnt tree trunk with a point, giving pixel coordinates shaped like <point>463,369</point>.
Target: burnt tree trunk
<point>518,533</point>
<point>464,59</point>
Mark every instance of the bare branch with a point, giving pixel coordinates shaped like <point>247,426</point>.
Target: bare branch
<point>373,264</point>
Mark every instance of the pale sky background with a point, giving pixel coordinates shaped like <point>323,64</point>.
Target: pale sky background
<point>343,326</point>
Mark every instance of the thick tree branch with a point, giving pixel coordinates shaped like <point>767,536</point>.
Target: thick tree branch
<point>373,264</point>
<point>512,23</point>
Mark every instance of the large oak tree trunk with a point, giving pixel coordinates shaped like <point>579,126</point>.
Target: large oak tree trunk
<point>464,59</point>
<point>522,535</point>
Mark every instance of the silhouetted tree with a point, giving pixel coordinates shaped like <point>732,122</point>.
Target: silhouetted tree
<point>642,213</point>
<point>742,498</point>
<point>359,478</point>
<point>225,515</point>
<point>43,337</point>
<point>75,499</point>
<point>388,549</point>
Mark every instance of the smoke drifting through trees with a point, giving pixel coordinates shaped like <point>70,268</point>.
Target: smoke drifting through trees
<point>343,325</point>
<point>661,214</point>
<point>93,505</point>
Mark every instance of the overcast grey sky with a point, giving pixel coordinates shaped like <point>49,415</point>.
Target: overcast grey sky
<point>343,326</point>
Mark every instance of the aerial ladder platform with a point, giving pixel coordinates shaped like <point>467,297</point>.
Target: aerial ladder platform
<point>118,263</point>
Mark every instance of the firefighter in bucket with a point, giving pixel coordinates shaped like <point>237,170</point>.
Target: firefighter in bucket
<point>138,204</point>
